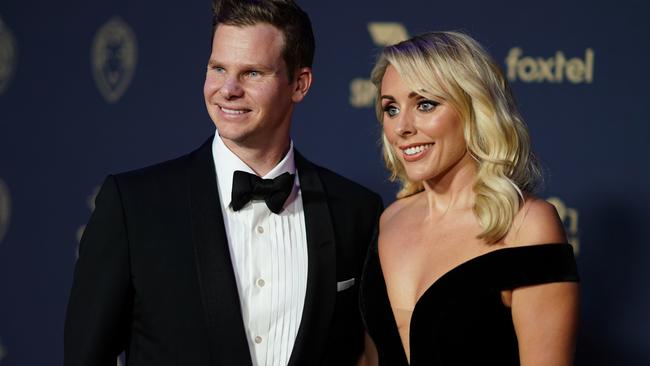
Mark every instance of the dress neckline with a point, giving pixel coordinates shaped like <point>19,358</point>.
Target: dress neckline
<point>445,277</point>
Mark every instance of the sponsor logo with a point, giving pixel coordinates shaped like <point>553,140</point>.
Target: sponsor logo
<point>387,33</point>
<point>8,56</point>
<point>114,57</point>
<point>556,69</point>
<point>362,93</point>
<point>569,218</point>
<point>5,209</point>
<point>362,90</point>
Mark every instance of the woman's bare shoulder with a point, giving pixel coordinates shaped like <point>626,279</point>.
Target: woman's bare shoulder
<point>394,209</point>
<point>537,222</point>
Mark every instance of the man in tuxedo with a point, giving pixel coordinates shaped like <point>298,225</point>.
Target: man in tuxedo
<point>242,252</point>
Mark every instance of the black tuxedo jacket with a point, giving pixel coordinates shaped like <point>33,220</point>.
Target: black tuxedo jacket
<point>154,276</point>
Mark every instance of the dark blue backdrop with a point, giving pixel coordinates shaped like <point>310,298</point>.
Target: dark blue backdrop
<point>72,112</point>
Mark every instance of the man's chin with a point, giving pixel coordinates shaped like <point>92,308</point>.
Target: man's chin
<point>235,138</point>
<point>232,131</point>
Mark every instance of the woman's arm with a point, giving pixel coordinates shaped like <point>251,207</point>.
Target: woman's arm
<point>545,316</point>
<point>546,319</point>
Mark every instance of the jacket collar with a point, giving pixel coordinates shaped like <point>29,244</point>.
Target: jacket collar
<point>321,272</point>
<point>222,309</point>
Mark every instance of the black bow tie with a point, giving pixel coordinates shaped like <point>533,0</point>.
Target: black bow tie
<point>247,187</point>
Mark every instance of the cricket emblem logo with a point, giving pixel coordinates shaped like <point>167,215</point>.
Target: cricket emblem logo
<point>114,57</point>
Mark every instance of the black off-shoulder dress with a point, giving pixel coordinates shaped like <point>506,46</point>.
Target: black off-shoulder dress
<point>461,320</point>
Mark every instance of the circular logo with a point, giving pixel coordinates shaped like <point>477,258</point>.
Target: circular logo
<point>5,209</point>
<point>114,56</point>
<point>8,55</point>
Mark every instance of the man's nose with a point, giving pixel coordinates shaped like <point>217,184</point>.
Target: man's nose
<point>231,88</point>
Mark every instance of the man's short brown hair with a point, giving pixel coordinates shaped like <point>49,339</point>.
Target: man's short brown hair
<point>285,15</point>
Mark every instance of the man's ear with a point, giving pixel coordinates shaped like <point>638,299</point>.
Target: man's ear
<point>302,83</point>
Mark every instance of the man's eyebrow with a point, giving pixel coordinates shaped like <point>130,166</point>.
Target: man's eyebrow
<point>256,67</point>
<point>213,62</point>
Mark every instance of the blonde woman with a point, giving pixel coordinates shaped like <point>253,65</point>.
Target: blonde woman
<point>470,268</point>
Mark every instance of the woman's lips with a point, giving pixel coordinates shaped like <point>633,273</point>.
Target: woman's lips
<point>415,152</point>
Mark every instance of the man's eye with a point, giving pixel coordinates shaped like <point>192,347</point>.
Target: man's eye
<point>254,73</point>
<point>427,105</point>
<point>218,69</point>
<point>391,110</point>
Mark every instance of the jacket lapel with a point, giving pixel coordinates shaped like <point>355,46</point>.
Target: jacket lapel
<point>217,282</point>
<point>321,273</point>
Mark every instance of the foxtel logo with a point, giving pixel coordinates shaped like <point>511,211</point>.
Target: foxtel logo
<point>554,69</point>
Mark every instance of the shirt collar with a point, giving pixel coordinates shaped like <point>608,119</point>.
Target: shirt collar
<point>226,163</point>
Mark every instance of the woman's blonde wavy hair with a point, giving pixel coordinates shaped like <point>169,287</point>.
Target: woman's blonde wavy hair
<point>454,67</point>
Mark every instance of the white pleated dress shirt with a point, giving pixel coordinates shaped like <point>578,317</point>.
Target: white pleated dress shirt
<point>269,257</point>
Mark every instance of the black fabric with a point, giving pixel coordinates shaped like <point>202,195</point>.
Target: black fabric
<point>461,319</point>
<point>154,276</point>
<point>247,187</point>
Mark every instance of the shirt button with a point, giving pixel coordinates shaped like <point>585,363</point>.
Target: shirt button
<point>261,282</point>
<point>260,229</point>
<point>258,339</point>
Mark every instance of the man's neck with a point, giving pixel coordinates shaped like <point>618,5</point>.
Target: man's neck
<point>260,160</point>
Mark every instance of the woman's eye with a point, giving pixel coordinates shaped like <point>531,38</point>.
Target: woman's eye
<point>427,105</point>
<point>391,110</point>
